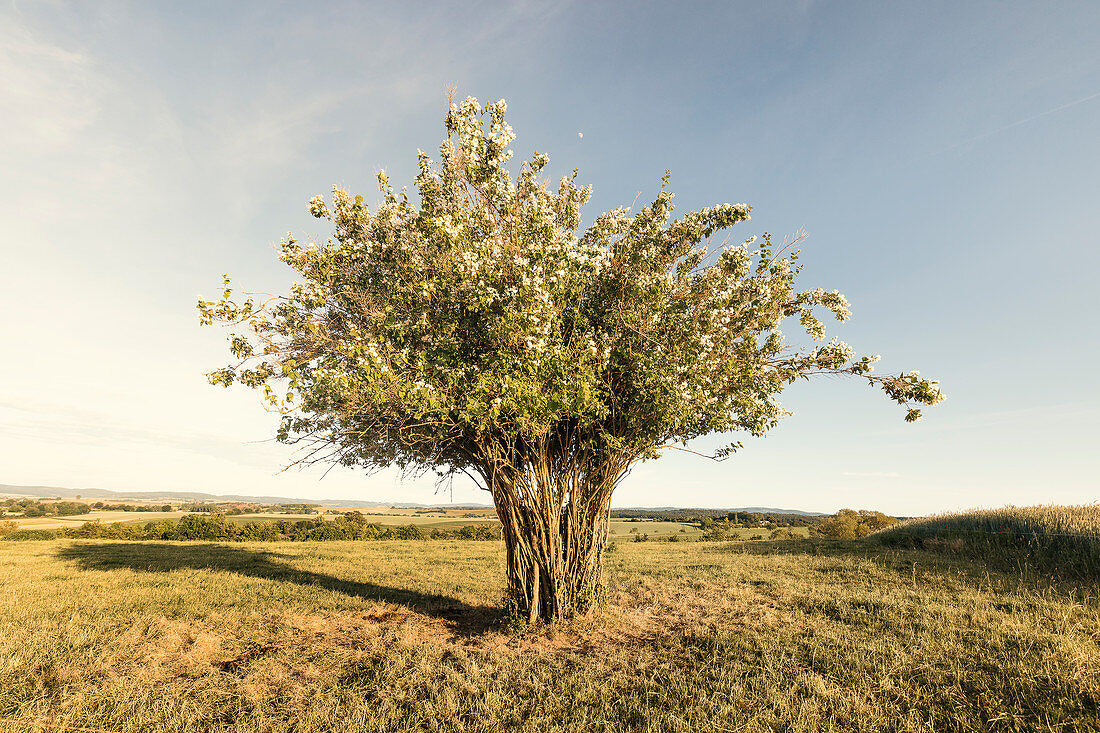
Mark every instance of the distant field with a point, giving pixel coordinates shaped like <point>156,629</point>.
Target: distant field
<point>803,635</point>
<point>272,517</point>
<point>79,519</point>
<point>621,529</point>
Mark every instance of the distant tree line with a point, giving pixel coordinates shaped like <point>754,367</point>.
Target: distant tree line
<point>104,507</point>
<point>847,524</point>
<point>719,524</point>
<point>205,526</point>
<point>36,508</point>
<point>233,509</point>
<point>229,510</point>
<point>209,525</point>
<point>703,518</point>
<point>299,508</point>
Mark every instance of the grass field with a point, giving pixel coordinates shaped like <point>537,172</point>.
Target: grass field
<point>802,635</point>
<point>621,530</point>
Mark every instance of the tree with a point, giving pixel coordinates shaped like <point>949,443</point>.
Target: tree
<point>848,524</point>
<point>34,510</point>
<point>478,331</point>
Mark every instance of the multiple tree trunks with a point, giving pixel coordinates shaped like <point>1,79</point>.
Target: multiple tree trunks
<point>554,509</point>
<point>553,568</point>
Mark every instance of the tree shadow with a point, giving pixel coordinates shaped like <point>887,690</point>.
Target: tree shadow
<point>463,618</point>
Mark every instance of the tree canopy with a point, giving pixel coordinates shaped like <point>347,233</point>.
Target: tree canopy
<point>478,329</point>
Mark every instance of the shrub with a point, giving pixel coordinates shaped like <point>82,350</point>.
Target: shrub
<point>716,533</point>
<point>200,527</point>
<point>33,534</point>
<point>259,532</point>
<point>112,531</point>
<point>331,531</point>
<point>848,524</point>
<point>406,532</point>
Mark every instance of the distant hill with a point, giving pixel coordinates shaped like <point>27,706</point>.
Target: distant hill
<point>93,493</point>
<point>196,496</point>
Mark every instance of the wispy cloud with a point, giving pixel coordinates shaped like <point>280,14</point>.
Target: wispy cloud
<point>54,424</point>
<point>1024,121</point>
<point>49,92</point>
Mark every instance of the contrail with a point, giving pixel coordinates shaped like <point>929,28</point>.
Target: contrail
<point>1024,121</point>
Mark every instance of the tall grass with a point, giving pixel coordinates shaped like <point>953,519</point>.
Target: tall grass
<point>1059,540</point>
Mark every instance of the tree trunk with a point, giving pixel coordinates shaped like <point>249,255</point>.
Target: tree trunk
<point>553,568</point>
<point>553,498</point>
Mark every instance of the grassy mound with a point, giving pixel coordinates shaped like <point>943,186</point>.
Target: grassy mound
<point>1059,540</point>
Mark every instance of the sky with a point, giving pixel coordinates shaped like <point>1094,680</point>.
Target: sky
<point>943,158</point>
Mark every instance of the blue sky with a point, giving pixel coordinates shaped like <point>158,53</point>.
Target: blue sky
<point>943,158</point>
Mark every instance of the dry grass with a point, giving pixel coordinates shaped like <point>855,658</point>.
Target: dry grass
<point>656,529</point>
<point>801,635</point>
<point>1053,540</point>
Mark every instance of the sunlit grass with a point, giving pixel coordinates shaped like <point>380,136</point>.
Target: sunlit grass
<point>1060,540</point>
<point>800,635</point>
